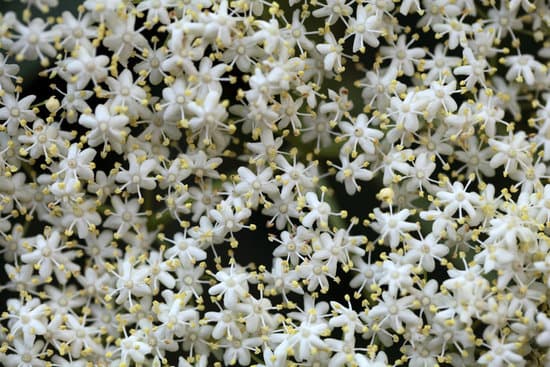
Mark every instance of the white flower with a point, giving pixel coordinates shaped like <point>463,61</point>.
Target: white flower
<point>229,218</point>
<point>392,227</point>
<point>27,354</point>
<point>16,110</point>
<point>405,112</point>
<point>257,313</point>
<point>424,251</point>
<point>86,66</point>
<point>474,69</point>
<point>282,279</point>
<point>34,41</point>
<point>522,68</point>
<point>392,312</point>
<point>47,140</point>
<point>209,118</point>
<point>8,74</point>
<point>459,199</point>
<point>157,10</point>
<point>337,249</point>
<point>365,27</point>
<point>543,338</point>
<point>402,57</point>
<point>134,348</point>
<point>456,30</point>
<point>125,216</point>
<point>476,159</point>
<point>501,353</point>
<point>512,151</point>
<point>126,94</point>
<point>419,177</point>
<point>219,24</point>
<point>306,339</point>
<point>238,350</point>
<point>352,171</point>
<point>151,64</point>
<point>381,360</point>
<point>76,32</point>
<point>296,176</point>
<point>319,211</point>
<point>29,318</point>
<point>233,286</point>
<point>226,323</point>
<point>78,163</point>
<point>297,33</point>
<point>131,282</point>
<point>124,38</point>
<point>105,128</point>
<point>187,249</point>
<point>438,98</point>
<point>83,216</point>
<point>359,133</point>
<point>333,10</point>
<point>440,65</point>
<point>175,314</point>
<point>80,336</point>
<point>136,177</point>
<point>396,273</point>
<point>48,256</point>
<point>333,53</point>
<point>347,318</point>
<point>254,186</point>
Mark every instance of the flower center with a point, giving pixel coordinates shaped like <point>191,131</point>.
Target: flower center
<point>33,38</point>
<point>127,37</point>
<point>126,216</point>
<point>26,358</point>
<point>78,33</point>
<point>155,63</point>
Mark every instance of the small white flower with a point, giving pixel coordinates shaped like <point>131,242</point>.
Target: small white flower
<point>105,128</point>
<point>29,318</point>
<point>86,67</point>
<point>15,110</point>
<point>233,286</point>
<point>136,177</point>
<point>458,199</point>
<point>392,227</point>
<point>48,256</point>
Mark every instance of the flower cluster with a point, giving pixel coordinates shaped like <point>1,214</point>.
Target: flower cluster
<point>179,142</point>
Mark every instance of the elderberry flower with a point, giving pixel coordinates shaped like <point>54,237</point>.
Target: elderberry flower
<point>15,110</point>
<point>106,129</point>
<point>85,66</point>
<point>46,255</point>
<point>233,286</point>
<point>234,137</point>
<point>34,41</point>
<point>392,227</point>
